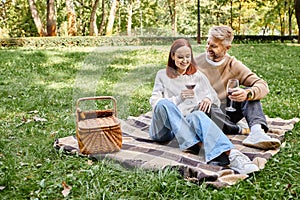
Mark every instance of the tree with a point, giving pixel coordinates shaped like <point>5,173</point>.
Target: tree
<point>36,18</point>
<point>173,15</point>
<point>103,15</point>
<point>111,19</point>
<point>290,16</point>
<point>297,11</point>
<point>24,18</point>
<point>93,20</point>
<point>72,25</point>
<point>51,18</point>
<point>198,22</point>
<point>129,17</point>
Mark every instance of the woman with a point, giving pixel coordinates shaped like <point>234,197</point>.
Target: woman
<point>179,112</point>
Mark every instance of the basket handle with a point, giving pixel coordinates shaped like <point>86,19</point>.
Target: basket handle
<point>98,98</point>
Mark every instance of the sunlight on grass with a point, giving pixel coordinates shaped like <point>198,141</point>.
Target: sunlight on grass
<point>58,85</point>
<point>45,83</point>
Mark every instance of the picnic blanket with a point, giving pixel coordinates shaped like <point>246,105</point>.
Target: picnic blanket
<point>139,150</point>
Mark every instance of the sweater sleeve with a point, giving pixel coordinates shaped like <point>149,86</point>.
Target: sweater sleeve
<point>249,79</point>
<point>159,91</point>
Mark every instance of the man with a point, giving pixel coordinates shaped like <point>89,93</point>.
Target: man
<point>219,67</point>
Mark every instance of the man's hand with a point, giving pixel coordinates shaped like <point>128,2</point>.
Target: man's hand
<point>205,105</point>
<point>238,95</point>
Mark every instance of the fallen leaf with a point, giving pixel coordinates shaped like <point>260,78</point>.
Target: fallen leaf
<point>288,186</point>
<point>27,178</point>
<point>24,164</point>
<point>33,112</point>
<point>38,165</point>
<point>53,133</point>
<point>90,162</point>
<point>283,144</point>
<point>67,189</point>
<point>24,121</point>
<point>39,119</point>
<point>42,183</point>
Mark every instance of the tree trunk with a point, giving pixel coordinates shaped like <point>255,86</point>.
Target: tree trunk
<point>297,12</point>
<point>36,18</point>
<point>51,18</point>
<point>290,14</point>
<point>102,24</point>
<point>111,19</point>
<point>231,14</point>
<point>72,27</point>
<point>93,20</point>
<point>198,22</point>
<point>129,18</point>
<point>173,16</point>
<point>240,20</point>
<point>284,18</point>
<point>3,14</point>
<point>175,19</point>
<point>281,20</point>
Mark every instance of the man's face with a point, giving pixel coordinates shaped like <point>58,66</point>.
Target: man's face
<point>215,49</point>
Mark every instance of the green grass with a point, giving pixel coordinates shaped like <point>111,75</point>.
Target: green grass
<point>45,83</point>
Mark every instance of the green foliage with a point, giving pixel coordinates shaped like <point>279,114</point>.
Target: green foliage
<point>39,84</point>
<point>89,41</point>
<point>153,18</point>
<point>17,20</point>
<point>86,41</point>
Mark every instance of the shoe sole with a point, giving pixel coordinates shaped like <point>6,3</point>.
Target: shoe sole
<point>264,145</point>
<point>244,171</point>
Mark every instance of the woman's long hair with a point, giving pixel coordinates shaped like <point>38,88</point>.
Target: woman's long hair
<point>171,67</point>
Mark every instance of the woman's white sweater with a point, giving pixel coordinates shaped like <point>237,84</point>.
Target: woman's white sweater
<point>170,88</point>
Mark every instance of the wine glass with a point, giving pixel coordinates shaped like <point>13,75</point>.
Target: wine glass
<point>232,84</point>
<point>190,83</point>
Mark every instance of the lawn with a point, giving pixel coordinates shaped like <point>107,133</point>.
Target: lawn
<point>39,88</point>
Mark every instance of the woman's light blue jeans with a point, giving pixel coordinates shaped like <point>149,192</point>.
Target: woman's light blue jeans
<point>168,122</point>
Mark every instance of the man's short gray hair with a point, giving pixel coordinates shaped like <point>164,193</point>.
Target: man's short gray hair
<point>223,33</point>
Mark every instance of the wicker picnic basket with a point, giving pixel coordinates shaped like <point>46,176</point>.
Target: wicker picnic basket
<point>98,131</point>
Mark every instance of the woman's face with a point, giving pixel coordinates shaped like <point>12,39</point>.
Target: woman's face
<point>182,58</point>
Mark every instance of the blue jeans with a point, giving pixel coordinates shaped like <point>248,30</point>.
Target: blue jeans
<point>169,123</point>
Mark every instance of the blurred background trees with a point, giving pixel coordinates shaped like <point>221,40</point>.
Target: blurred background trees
<point>24,18</point>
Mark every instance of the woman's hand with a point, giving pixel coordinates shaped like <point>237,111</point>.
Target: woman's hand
<point>187,94</point>
<point>205,105</point>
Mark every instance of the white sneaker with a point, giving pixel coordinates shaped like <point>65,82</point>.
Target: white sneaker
<point>261,140</point>
<point>241,163</point>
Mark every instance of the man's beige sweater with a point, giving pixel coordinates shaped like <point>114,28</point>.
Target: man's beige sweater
<point>231,68</point>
